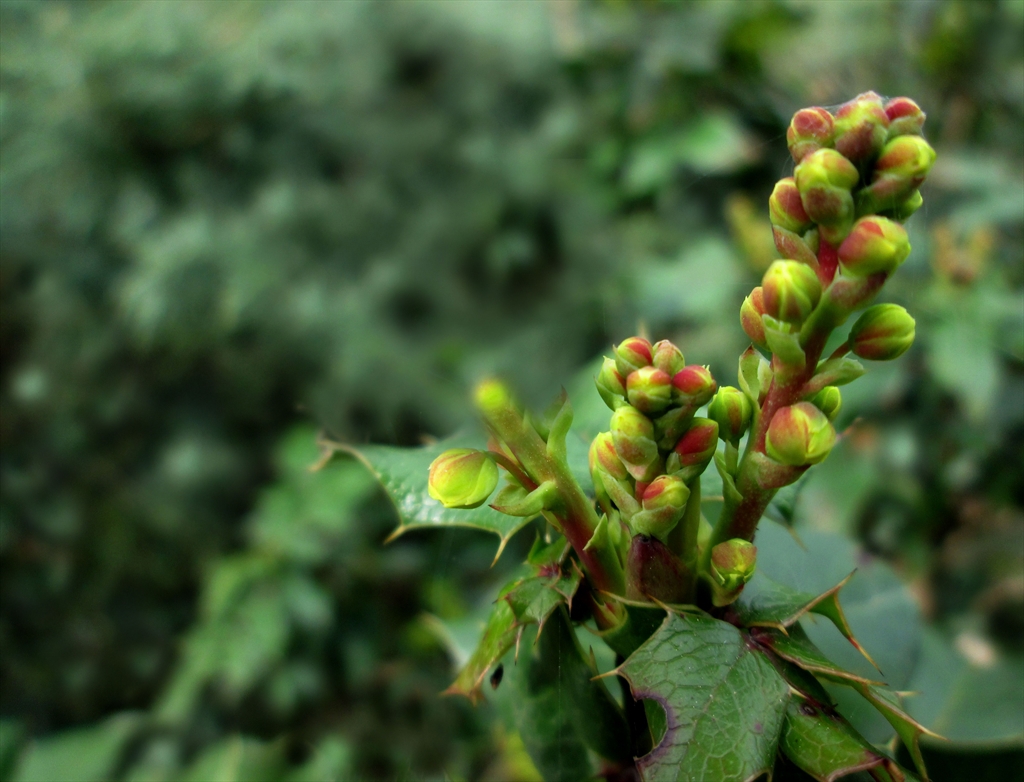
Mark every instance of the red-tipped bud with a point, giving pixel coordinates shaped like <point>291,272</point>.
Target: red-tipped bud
<point>732,566</point>
<point>603,457</point>
<point>664,501</point>
<point>667,357</point>
<point>732,411</point>
<point>649,389</point>
<point>750,316</point>
<point>902,167</point>
<point>631,354</point>
<point>462,478</point>
<point>785,207</point>
<point>828,400</point>
<point>825,179</point>
<point>791,290</point>
<point>698,444</point>
<point>875,244</point>
<point>611,385</point>
<point>861,127</point>
<point>883,332</point>
<point>693,385</point>
<point>810,130</point>
<point>905,117</point>
<point>799,434</point>
<point>633,435</point>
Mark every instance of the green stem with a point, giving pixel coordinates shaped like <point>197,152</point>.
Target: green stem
<point>690,525</point>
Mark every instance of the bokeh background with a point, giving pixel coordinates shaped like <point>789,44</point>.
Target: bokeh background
<point>227,226</point>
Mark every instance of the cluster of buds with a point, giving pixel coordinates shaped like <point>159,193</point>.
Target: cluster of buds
<point>644,465</point>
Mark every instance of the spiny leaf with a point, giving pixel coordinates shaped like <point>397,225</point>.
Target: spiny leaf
<point>403,473</point>
<point>797,648</point>
<point>533,599</point>
<point>500,635</point>
<point>765,603</point>
<point>724,702</point>
<point>822,743</point>
<point>907,728</point>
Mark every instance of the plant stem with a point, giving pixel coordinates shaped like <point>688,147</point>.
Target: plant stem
<point>690,525</point>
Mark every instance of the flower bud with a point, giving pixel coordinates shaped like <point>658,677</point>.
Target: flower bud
<point>649,389</point>
<point>462,478</point>
<point>883,332</point>
<point>664,501</point>
<point>905,117</point>
<point>732,411</point>
<point>732,566</point>
<point>631,354</point>
<point>861,127</point>
<point>825,179</point>
<point>603,457</point>
<point>667,357</point>
<point>785,207</point>
<point>902,167</point>
<point>875,244</point>
<point>697,445</point>
<point>633,436</point>
<point>750,316</point>
<point>907,206</point>
<point>610,384</point>
<point>790,290</point>
<point>693,385</point>
<point>828,400</point>
<point>799,434</point>
<point>810,130</point>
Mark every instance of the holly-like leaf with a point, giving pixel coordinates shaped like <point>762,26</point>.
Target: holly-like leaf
<point>724,702</point>
<point>533,599</point>
<point>554,703</point>
<point>818,740</point>
<point>907,728</point>
<point>403,472</point>
<point>797,648</point>
<point>500,635</point>
<point>765,603</point>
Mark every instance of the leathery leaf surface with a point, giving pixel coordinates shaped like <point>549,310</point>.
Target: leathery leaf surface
<point>724,702</point>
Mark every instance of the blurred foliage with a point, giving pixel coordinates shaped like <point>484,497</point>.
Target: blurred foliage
<point>219,221</point>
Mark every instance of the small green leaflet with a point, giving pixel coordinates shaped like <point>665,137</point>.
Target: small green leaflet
<point>796,647</point>
<point>724,702</point>
<point>403,473</point>
<point>500,635</point>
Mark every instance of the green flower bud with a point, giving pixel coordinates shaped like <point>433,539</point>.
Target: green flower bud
<point>693,386</point>
<point>732,566</point>
<point>732,411</point>
<point>462,478</point>
<point>810,130</point>
<point>631,354</point>
<point>664,501</point>
<point>883,332</point>
<point>907,206</point>
<point>905,117</point>
<point>799,434</point>
<point>610,384</point>
<point>750,316</point>
<point>667,357</point>
<point>828,400</point>
<point>861,127</point>
<point>633,436</point>
<point>902,167</point>
<point>492,396</point>
<point>604,457</point>
<point>790,290</point>
<point>697,445</point>
<point>875,244</point>
<point>649,389</point>
<point>825,179</point>
<point>785,207</point>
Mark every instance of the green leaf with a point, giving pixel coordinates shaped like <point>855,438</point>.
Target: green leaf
<point>85,754</point>
<point>533,599</point>
<point>907,728</point>
<point>238,759</point>
<point>559,710</point>
<point>724,702</point>
<point>500,635</point>
<point>796,647</point>
<point>974,705</point>
<point>825,745</point>
<point>403,473</point>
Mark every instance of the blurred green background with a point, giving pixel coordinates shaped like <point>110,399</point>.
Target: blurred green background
<point>229,225</point>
